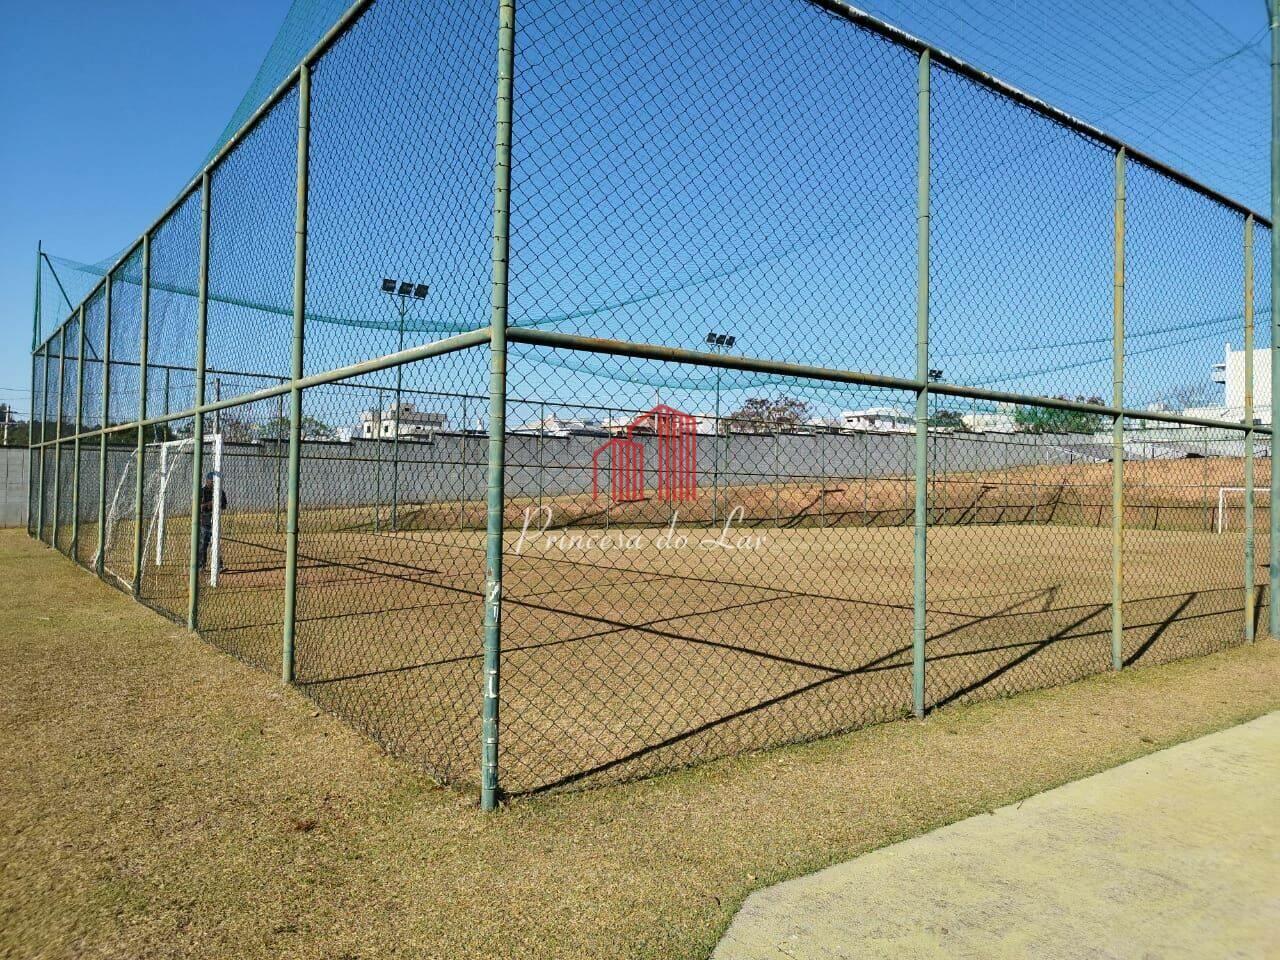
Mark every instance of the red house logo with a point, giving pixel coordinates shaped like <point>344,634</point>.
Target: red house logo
<point>677,449</point>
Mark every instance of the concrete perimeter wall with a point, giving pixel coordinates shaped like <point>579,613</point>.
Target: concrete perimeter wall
<point>13,486</point>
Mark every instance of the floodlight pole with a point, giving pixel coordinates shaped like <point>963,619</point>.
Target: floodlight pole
<point>496,494</point>
<point>715,475</point>
<point>1273,8</point>
<point>1117,422</point>
<point>197,427</point>
<point>919,555</point>
<point>719,343</point>
<point>402,308</point>
<point>287,657</point>
<point>377,473</point>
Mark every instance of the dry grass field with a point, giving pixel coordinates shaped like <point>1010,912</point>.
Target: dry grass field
<point>631,646</point>
<point>162,800</point>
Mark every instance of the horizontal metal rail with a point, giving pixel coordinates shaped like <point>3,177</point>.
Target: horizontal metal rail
<point>782,368</point>
<point>950,61</point>
<point>462,341</point>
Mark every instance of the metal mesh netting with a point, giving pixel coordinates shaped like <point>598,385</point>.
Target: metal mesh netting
<point>404,191</point>
<point>766,597</point>
<point>120,516</point>
<point>671,175</point>
<point>391,558</point>
<point>171,333</point>
<point>1262,403</point>
<point>245,447</point>
<point>1184,569</point>
<point>37,428</point>
<point>707,544</point>
<point>166,519</point>
<point>1184,295</point>
<point>126,318</point>
<point>1021,246</point>
<point>48,493</point>
<point>251,258</point>
<point>1004,615</point>
<point>67,418</point>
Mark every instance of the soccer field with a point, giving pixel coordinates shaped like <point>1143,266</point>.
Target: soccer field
<point>628,649</point>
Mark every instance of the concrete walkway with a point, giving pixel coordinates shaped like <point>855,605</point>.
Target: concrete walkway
<point>1176,855</point>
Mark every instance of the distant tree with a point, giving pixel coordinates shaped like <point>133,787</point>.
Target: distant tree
<point>235,430</point>
<point>277,428</point>
<point>1053,420</point>
<point>1200,394</point>
<point>947,420</point>
<point>768,415</point>
<point>14,434</point>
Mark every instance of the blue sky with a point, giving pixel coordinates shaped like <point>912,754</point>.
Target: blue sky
<point>108,109</point>
<point>100,147</point>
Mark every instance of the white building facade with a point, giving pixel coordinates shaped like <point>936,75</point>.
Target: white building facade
<point>1230,373</point>
<point>401,418</point>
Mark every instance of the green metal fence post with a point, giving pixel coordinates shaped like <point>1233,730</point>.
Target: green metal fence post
<point>38,452</point>
<point>295,394</point>
<point>1248,434</point>
<point>139,490</point>
<point>35,325</point>
<point>39,367</point>
<point>497,406</point>
<point>1273,522</point>
<point>78,418</point>
<point>197,425</point>
<point>1117,423</point>
<point>102,425</point>
<point>57,448</point>
<point>919,559</point>
<point>279,454</point>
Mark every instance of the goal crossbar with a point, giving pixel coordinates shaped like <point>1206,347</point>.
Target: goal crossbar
<point>1220,517</point>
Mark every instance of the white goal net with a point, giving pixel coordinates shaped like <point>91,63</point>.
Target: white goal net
<point>166,498</point>
<point>1230,513</point>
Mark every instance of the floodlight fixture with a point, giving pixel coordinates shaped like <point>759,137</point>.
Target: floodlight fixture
<point>730,340</point>
<point>420,291</point>
<point>934,374</point>
<point>388,285</point>
<point>711,339</point>
<point>406,288</point>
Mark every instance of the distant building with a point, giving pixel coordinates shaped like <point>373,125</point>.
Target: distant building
<point>1230,373</point>
<point>1000,420</point>
<point>554,426</point>
<point>820,425</point>
<point>401,418</point>
<point>878,420</point>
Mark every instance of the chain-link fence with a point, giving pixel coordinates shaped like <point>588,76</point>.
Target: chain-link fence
<point>733,382</point>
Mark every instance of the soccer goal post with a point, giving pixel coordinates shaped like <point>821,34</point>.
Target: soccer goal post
<point>1231,503</point>
<point>172,481</point>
